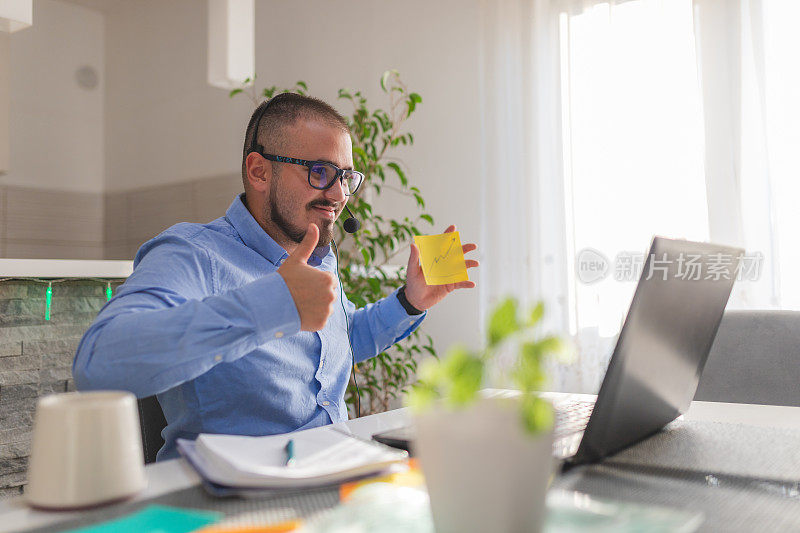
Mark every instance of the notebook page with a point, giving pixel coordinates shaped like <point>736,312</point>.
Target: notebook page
<point>319,452</point>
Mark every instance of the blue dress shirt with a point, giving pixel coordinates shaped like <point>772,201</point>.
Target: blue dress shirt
<point>206,322</point>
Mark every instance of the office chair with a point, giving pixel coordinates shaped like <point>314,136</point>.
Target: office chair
<point>755,358</point>
<point>151,421</point>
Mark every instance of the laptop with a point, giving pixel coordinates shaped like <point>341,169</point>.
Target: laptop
<point>659,356</point>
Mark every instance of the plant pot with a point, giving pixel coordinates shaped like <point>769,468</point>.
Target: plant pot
<point>484,472</point>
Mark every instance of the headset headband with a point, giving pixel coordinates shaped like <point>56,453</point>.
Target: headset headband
<point>254,146</point>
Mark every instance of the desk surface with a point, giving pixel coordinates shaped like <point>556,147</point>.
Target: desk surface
<point>173,475</point>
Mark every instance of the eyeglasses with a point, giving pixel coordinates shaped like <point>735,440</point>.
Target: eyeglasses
<point>322,175</point>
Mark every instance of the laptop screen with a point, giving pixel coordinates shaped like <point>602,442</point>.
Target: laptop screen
<point>663,345</point>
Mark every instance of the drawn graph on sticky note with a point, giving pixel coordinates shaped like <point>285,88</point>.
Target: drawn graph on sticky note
<point>441,258</point>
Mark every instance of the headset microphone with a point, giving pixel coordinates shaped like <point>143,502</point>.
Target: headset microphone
<point>351,225</point>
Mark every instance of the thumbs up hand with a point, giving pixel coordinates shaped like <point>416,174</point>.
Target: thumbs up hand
<point>312,290</point>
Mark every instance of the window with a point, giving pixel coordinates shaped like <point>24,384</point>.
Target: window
<point>633,153</point>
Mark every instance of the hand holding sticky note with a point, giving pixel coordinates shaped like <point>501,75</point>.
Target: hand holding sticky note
<point>442,258</point>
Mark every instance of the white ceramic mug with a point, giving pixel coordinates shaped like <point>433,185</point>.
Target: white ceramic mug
<point>86,450</point>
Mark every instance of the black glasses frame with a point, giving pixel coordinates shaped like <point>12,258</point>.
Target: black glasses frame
<point>340,173</point>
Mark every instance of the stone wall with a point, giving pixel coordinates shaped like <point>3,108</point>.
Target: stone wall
<point>36,359</point>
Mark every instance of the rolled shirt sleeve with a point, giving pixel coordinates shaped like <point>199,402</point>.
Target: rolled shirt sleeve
<point>377,326</point>
<point>162,330</point>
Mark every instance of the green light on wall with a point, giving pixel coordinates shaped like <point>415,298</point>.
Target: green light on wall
<point>48,301</point>
<point>49,290</point>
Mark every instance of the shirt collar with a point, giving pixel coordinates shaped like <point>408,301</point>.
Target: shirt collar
<point>255,238</point>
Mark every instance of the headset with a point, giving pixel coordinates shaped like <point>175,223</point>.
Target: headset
<point>347,325</point>
<point>350,225</point>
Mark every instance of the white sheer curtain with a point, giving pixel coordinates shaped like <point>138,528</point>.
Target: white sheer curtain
<point>521,162</point>
<point>778,21</point>
<point>607,122</point>
<point>751,78</point>
<point>523,215</point>
<point>737,175</point>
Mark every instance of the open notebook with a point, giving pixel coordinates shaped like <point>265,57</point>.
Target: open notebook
<point>323,456</point>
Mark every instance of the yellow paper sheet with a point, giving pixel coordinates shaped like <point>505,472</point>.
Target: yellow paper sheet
<point>441,258</point>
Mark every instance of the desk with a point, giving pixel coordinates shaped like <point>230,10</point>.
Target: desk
<point>169,476</point>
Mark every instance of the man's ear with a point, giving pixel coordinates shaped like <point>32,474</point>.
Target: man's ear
<point>259,171</point>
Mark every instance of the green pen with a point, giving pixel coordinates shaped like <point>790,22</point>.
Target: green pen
<point>290,452</point>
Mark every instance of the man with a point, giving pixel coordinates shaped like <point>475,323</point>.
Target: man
<point>237,325</point>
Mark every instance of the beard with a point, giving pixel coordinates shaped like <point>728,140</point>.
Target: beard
<point>279,211</point>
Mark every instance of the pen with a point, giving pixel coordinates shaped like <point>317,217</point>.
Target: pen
<point>290,452</point>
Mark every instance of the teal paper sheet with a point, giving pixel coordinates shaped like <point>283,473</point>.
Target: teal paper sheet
<point>155,519</point>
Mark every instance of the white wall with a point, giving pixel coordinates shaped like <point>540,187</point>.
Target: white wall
<point>166,125</point>
<point>56,127</point>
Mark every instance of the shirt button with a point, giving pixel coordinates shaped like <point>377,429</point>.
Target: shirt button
<point>326,403</point>
<point>217,358</point>
<point>278,335</point>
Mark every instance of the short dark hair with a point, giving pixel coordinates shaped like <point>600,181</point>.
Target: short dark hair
<point>284,110</point>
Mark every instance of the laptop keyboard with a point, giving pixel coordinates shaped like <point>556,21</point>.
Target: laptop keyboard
<point>572,417</point>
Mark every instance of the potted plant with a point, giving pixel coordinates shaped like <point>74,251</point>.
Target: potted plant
<point>487,459</point>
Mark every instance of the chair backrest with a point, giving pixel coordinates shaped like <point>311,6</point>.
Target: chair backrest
<point>152,422</point>
<point>755,358</point>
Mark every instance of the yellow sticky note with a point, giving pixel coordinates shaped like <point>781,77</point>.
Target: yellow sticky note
<point>441,258</point>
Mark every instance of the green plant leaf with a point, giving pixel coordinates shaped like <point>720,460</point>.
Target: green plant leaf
<point>537,414</point>
<point>420,398</point>
<point>374,284</point>
<point>552,345</point>
<point>463,371</point>
<point>536,314</point>
<point>431,372</point>
<point>357,300</point>
<point>234,92</point>
<point>384,79</point>
<point>503,321</point>
<point>413,100</point>
<point>400,174</point>
<point>529,373</point>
